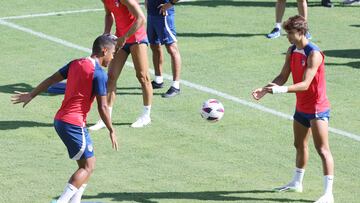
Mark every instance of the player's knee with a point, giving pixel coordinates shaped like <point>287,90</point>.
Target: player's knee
<point>143,78</point>
<point>300,146</point>
<point>172,49</point>
<point>323,152</point>
<point>90,165</point>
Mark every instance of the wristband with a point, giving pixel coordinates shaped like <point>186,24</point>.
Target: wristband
<point>279,89</point>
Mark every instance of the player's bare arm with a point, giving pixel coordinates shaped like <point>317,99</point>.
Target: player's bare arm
<point>135,10</point>
<point>166,6</point>
<point>103,110</point>
<point>109,20</point>
<point>313,62</point>
<point>26,97</point>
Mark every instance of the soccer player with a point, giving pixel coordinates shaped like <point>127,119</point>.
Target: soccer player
<point>132,39</point>
<point>279,13</point>
<point>160,31</point>
<point>305,62</point>
<point>85,81</point>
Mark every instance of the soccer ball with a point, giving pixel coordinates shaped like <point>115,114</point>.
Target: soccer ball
<point>212,110</point>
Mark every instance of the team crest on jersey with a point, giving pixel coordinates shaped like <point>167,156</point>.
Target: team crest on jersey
<point>302,62</point>
<point>90,148</point>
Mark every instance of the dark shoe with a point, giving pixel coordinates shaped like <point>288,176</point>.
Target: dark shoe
<point>171,92</point>
<point>275,33</point>
<point>156,85</point>
<point>327,3</point>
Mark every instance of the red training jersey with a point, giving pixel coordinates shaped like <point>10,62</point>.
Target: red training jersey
<point>85,79</point>
<point>124,20</point>
<point>314,99</point>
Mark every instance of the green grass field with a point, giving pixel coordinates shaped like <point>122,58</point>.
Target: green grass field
<point>180,157</point>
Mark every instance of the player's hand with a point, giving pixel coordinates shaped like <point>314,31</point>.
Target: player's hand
<point>259,93</point>
<point>114,142</point>
<point>21,97</point>
<point>269,87</point>
<point>120,43</point>
<point>164,8</point>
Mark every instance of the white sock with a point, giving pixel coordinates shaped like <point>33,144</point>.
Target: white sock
<point>77,196</point>
<point>147,110</point>
<point>328,184</point>
<point>176,84</point>
<point>298,175</point>
<point>159,79</point>
<point>278,25</point>
<point>69,191</point>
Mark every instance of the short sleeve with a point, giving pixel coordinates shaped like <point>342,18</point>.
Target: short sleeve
<point>100,82</point>
<point>64,70</point>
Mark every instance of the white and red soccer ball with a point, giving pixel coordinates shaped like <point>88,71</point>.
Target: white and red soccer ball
<point>212,110</point>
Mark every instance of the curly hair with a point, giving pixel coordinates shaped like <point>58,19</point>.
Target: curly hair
<point>297,22</point>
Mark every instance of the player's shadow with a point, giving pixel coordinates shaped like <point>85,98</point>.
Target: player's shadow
<point>354,64</point>
<point>152,197</point>
<point>114,123</point>
<point>11,125</point>
<point>355,26</point>
<point>343,53</point>
<point>11,88</point>
<point>347,54</point>
<point>218,35</point>
<point>131,91</point>
<point>217,3</point>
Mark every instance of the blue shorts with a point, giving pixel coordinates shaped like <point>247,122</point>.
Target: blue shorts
<point>127,46</point>
<point>76,139</point>
<point>161,29</point>
<point>305,118</point>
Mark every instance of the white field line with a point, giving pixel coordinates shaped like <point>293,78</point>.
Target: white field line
<point>184,82</point>
<point>51,14</point>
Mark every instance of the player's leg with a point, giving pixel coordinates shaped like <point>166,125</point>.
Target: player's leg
<point>80,148</point>
<point>153,32</point>
<point>139,57</point>
<point>279,13</point>
<point>301,127</point>
<point>115,68</point>
<point>303,11</point>
<point>81,176</point>
<point>173,50</point>
<point>319,129</point>
<point>158,61</point>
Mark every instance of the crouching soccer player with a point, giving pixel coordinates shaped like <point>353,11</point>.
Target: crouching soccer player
<point>305,62</point>
<point>85,81</point>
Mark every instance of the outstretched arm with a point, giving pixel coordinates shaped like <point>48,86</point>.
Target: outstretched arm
<point>26,97</point>
<point>103,110</point>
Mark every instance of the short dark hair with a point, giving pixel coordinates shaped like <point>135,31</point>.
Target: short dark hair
<point>101,42</point>
<point>297,22</point>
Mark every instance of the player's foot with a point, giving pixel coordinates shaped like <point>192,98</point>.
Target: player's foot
<point>291,187</point>
<point>351,3</point>
<point>141,122</point>
<point>327,3</point>
<point>275,33</point>
<point>326,198</point>
<point>172,92</point>
<point>156,85</point>
<point>100,124</point>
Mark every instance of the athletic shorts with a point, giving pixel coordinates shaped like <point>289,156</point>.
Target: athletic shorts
<point>305,118</point>
<point>161,29</point>
<point>76,139</point>
<point>127,46</point>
